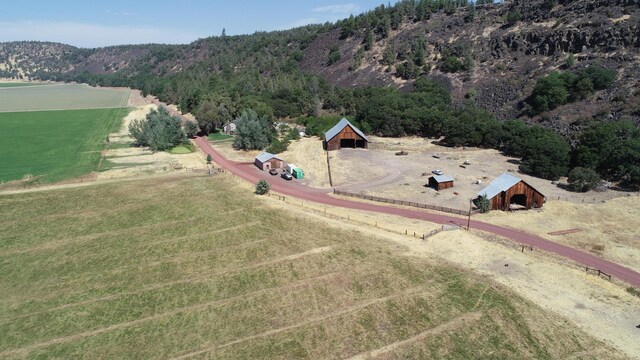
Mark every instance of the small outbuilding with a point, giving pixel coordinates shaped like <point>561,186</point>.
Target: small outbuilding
<point>508,192</point>
<point>267,161</point>
<point>441,182</point>
<point>229,128</point>
<point>344,134</point>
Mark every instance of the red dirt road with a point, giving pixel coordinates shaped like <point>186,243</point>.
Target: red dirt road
<point>250,173</point>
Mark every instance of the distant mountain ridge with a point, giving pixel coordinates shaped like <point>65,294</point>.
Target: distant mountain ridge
<point>491,55</point>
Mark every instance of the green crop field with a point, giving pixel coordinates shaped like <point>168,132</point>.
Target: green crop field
<point>19,84</point>
<point>196,267</point>
<point>60,97</point>
<point>56,145</point>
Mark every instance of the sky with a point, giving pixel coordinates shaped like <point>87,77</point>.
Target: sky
<point>91,23</point>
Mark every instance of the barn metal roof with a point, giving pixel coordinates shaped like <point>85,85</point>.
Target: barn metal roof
<point>443,178</point>
<point>338,127</point>
<point>500,184</point>
<point>265,156</point>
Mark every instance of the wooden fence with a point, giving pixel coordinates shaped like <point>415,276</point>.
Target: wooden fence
<point>597,271</point>
<point>406,203</point>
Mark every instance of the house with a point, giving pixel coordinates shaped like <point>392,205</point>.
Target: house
<point>344,134</point>
<point>508,192</point>
<point>267,161</point>
<point>441,182</point>
<point>229,128</point>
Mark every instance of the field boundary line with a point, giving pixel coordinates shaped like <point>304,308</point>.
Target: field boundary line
<point>449,325</point>
<point>311,320</point>
<point>188,280</point>
<point>65,339</point>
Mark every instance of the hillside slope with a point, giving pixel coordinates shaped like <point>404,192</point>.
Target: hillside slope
<point>502,49</point>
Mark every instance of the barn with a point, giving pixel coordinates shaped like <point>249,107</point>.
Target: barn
<point>508,192</point>
<point>267,161</point>
<point>344,134</point>
<point>441,182</point>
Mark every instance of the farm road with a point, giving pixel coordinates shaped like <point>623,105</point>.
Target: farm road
<point>249,173</point>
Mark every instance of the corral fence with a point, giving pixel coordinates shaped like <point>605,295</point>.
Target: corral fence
<point>406,203</point>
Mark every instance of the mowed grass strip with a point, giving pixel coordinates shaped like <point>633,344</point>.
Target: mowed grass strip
<point>61,97</point>
<point>197,268</point>
<point>55,145</point>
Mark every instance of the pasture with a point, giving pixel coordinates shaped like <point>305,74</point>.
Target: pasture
<point>54,145</point>
<point>60,97</point>
<point>196,267</point>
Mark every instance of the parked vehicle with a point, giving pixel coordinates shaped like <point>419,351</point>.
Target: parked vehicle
<point>286,176</point>
<point>273,171</point>
<point>401,153</point>
<point>437,171</point>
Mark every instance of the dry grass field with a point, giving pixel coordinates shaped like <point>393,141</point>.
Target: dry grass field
<point>609,229</point>
<point>195,267</point>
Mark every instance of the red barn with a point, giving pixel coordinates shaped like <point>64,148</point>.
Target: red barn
<point>508,192</point>
<point>344,134</point>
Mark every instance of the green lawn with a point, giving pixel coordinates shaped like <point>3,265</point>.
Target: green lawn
<point>218,137</point>
<point>197,267</point>
<point>55,144</point>
<point>180,149</point>
<point>60,97</point>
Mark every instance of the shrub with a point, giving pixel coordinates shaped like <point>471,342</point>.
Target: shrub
<point>191,129</point>
<point>262,187</point>
<point>483,203</point>
<point>583,179</point>
<point>513,17</point>
<point>451,64</point>
<point>159,131</point>
<point>334,55</point>
<point>209,159</point>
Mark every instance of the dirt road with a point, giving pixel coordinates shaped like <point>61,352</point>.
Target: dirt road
<point>291,188</point>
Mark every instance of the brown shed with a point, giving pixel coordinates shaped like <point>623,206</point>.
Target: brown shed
<point>441,182</point>
<point>508,192</point>
<point>267,161</point>
<point>344,134</point>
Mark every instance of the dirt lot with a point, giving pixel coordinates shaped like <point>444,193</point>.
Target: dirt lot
<point>404,177</point>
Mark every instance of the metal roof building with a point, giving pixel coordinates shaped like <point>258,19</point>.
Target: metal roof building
<point>508,192</point>
<point>441,182</point>
<point>344,134</point>
<point>267,161</point>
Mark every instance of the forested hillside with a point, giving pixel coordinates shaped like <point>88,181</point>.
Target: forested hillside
<point>420,67</point>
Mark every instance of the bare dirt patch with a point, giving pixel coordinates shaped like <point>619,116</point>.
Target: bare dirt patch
<point>608,229</point>
<point>404,177</point>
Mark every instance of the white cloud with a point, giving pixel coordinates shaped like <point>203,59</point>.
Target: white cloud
<point>90,35</point>
<point>342,9</point>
